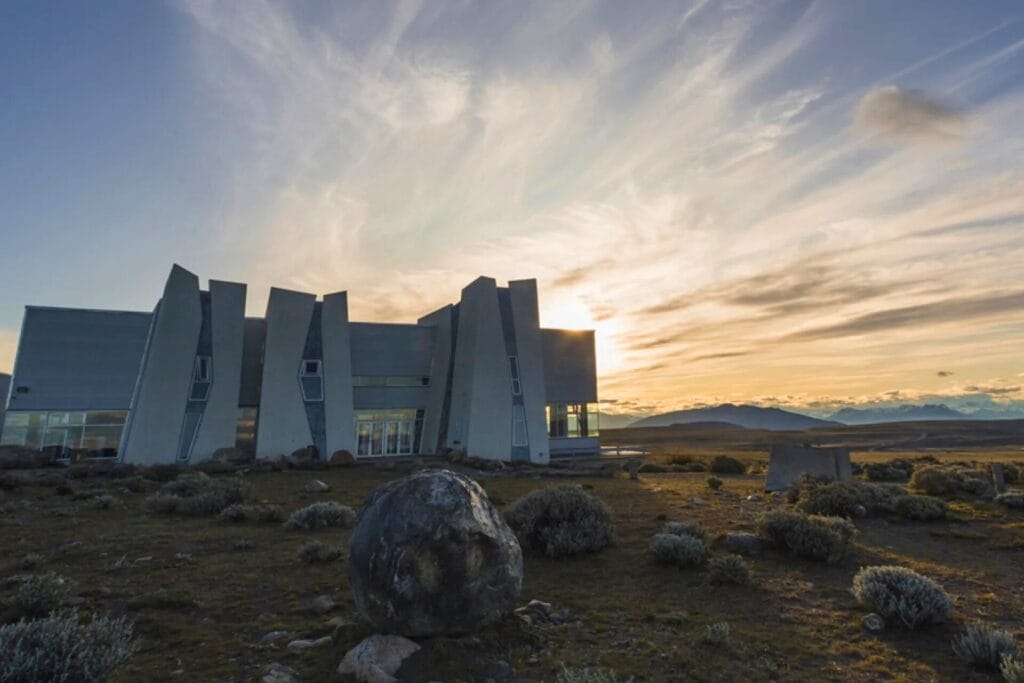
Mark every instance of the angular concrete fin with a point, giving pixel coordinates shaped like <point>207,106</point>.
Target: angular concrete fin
<point>339,416</point>
<point>530,357</point>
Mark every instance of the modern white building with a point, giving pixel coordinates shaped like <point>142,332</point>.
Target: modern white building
<point>195,375</point>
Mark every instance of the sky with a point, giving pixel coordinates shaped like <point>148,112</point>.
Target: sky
<point>804,204</point>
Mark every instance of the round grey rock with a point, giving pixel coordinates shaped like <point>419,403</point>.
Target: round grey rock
<point>430,556</point>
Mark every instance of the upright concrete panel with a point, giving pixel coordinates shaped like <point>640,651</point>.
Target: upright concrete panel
<point>283,425</point>
<point>339,420</point>
<point>787,463</point>
<point>523,294</point>
<point>158,405</point>
<point>481,403</point>
<point>570,368</point>
<point>441,321</point>
<point>220,417</point>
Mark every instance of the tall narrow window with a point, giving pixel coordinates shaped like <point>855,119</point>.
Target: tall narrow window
<point>513,368</point>
<point>519,437</point>
<point>202,375</point>
<point>311,380</point>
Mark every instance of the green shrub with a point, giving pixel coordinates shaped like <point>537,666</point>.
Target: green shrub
<point>902,595</point>
<point>196,494</point>
<point>947,481</point>
<point>1011,499</point>
<point>682,551</point>
<point>40,594</point>
<point>60,648</point>
<point>724,569</point>
<point>717,634</point>
<point>321,515</point>
<point>587,675</point>
<point>714,483</point>
<point>652,468</point>
<point>685,528</point>
<point>826,539</point>
<point>252,513</point>
<point>921,508</point>
<point>984,647</point>
<point>1012,668</point>
<point>315,551</point>
<point>842,498</point>
<point>894,470</point>
<point>723,464</point>
<point>561,521</point>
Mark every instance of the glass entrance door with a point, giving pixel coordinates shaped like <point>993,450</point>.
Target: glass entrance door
<point>385,432</point>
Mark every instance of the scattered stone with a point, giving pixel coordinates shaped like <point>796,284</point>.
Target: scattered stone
<point>232,456</point>
<point>695,502</point>
<point>753,499</point>
<point>342,459</point>
<point>742,543</point>
<point>279,673</point>
<point>274,636</point>
<point>430,555</point>
<point>322,604</point>
<point>335,622</point>
<point>306,644</point>
<point>317,486</point>
<point>860,512</point>
<point>377,658</point>
<point>534,612</point>
<point>873,623</point>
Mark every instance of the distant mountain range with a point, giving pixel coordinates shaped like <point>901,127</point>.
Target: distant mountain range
<point>750,417</point>
<point>905,413</point>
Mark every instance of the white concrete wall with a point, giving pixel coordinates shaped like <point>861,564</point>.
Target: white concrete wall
<point>339,421</point>
<point>165,379</point>
<point>481,400</point>
<point>441,321</point>
<point>220,417</point>
<point>283,426</point>
<point>526,322</point>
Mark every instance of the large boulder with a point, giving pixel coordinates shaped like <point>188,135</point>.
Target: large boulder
<point>342,458</point>
<point>430,555</point>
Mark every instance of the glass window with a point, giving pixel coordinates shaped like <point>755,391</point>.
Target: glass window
<point>513,368</point>
<point>518,426</point>
<point>368,381</point>
<point>202,369</point>
<point>311,381</point>
<point>363,438</point>
<point>311,368</point>
<point>245,429</point>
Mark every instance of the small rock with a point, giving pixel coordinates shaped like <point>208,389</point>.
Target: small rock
<point>342,459</point>
<point>274,635</point>
<point>696,501</point>
<point>335,622</point>
<point>317,486</point>
<point>534,612</point>
<point>873,623</point>
<point>322,604</point>
<point>860,511</point>
<point>377,658</point>
<point>279,673</point>
<point>306,644</point>
<point>753,499</point>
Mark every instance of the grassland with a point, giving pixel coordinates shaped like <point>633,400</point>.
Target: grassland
<point>202,605</point>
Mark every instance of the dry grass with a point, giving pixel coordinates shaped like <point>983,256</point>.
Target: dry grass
<point>205,614</point>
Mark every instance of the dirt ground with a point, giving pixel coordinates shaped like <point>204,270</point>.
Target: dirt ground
<point>201,605</point>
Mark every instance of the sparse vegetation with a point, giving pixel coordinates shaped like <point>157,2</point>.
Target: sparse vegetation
<point>1011,499</point>
<point>826,539</point>
<point>948,481</point>
<point>315,551</point>
<point>561,521</point>
<point>30,561</point>
<point>587,675</point>
<point>196,494</point>
<point>252,513</point>
<point>717,634</point>
<point>60,648</point>
<point>1012,668</point>
<point>40,594</point>
<point>682,551</point>
<point>895,470</point>
<point>322,515</point>
<point>921,508</point>
<point>724,464</point>
<point>686,528</point>
<point>728,569</point>
<point>842,498</point>
<point>714,483</point>
<point>901,595</point>
<point>984,647</point>
<point>103,502</point>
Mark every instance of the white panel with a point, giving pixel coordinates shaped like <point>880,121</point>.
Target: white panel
<point>158,405</point>
<point>227,319</point>
<point>339,421</point>
<point>523,296</point>
<point>283,426</point>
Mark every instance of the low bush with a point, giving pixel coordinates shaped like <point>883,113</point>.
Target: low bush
<point>39,595</point>
<point>894,470</point>
<point>690,467</point>
<point>714,483</point>
<point>315,551</point>
<point>717,634</point>
<point>61,648</point>
<point>322,515</point>
<point>682,551</point>
<point>561,521</point>
<point>161,472</point>
<point>728,569</point>
<point>652,468</point>
<point>1011,499</point>
<point>842,498</point>
<point>949,481</point>
<point>723,464</point>
<point>921,508</point>
<point>826,539</point>
<point>196,494</point>
<point>252,513</point>
<point>984,647</point>
<point>103,502</point>
<point>1012,668</point>
<point>587,675</point>
<point>1011,474</point>
<point>902,595</point>
<point>30,561</point>
<point>684,528</point>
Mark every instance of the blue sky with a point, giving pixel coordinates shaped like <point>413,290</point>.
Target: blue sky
<point>810,204</point>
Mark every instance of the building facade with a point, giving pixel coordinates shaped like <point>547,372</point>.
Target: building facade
<point>195,375</point>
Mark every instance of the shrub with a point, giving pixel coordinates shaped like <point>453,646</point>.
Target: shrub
<point>984,647</point>
<point>31,561</point>
<point>1011,499</point>
<point>841,498</point>
<point>196,494</point>
<point>690,467</point>
<point>1012,668</point>
<point>40,595</point>
<point>586,675</point>
<point>242,544</point>
<point>683,528</point>
<point>103,502</point>
<point>651,468</point>
<point>728,569</point>
<point>561,521</point>
<point>252,513</point>
<point>717,634</point>
<point>60,648</point>
<point>947,481</point>
<point>682,551</point>
<point>921,508</point>
<point>894,470</point>
<point>315,551</point>
<point>825,539</point>
<point>723,464</point>
<point>714,483</point>
<point>901,594</point>
<point>1011,474</point>
<point>321,515</point>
